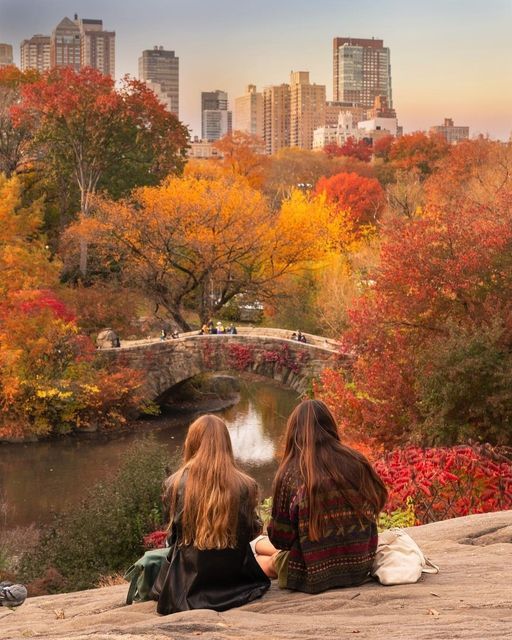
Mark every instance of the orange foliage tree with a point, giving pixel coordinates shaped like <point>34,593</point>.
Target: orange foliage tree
<point>243,154</point>
<point>200,240</point>
<point>362,197</point>
<point>48,380</point>
<point>24,258</point>
<point>382,147</point>
<point>418,151</point>
<point>292,166</point>
<point>475,172</point>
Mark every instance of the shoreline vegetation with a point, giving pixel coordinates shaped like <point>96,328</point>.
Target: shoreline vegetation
<point>206,394</point>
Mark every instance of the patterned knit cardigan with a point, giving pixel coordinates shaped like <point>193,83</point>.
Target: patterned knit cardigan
<point>342,558</point>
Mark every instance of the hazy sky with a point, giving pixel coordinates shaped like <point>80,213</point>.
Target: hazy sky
<point>449,58</point>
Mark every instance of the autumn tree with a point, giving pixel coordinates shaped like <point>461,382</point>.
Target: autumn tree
<point>340,281</point>
<point>103,137</point>
<point>14,140</point>
<point>382,147</point>
<point>406,195</point>
<point>475,172</point>
<point>199,241</point>
<point>316,297</point>
<point>291,167</point>
<point>24,257</point>
<point>362,197</point>
<point>431,334</point>
<point>419,151</point>
<point>243,154</point>
<point>351,148</point>
<point>48,380</point>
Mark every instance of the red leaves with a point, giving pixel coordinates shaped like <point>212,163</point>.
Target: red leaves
<point>155,540</point>
<point>285,359</point>
<point>447,482</point>
<point>431,332</point>
<point>362,197</point>
<point>240,356</point>
<point>360,150</point>
<point>80,120</point>
<point>45,299</point>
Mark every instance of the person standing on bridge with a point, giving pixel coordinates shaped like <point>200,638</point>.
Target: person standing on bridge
<point>326,500</point>
<point>212,507</point>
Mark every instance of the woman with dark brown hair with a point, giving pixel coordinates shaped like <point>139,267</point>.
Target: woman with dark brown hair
<point>326,499</point>
<point>212,507</point>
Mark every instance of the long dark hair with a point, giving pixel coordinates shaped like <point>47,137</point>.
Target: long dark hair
<point>213,489</point>
<point>314,450</point>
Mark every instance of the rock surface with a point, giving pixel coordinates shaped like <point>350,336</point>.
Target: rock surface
<point>470,598</point>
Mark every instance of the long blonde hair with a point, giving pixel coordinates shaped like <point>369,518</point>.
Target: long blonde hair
<point>212,489</point>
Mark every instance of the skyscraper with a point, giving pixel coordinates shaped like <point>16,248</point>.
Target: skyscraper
<point>97,47</point>
<point>65,45</point>
<point>361,71</point>
<point>160,70</point>
<point>5,55</point>
<point>248,112</point>
<point>276,124</point>
<point>307,109</point>
<point>35,53</point>
<point>74,43</point>
<point>215,117</point>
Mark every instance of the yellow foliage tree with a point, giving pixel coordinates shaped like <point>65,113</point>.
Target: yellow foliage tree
<point>317,296</point>
<point>24,258</point>
<point>199,241</point>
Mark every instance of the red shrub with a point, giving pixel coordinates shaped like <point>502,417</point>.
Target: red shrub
<point>155,540</point>
<point>448,482</point>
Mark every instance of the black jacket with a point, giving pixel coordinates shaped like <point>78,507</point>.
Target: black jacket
<point>217,579</point>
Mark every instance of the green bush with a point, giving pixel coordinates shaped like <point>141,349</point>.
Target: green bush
<point>401,518</point>
<point>465,388</point>
<point>104,534</point>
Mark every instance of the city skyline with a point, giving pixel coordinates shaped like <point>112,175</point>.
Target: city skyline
<point>450,59</point>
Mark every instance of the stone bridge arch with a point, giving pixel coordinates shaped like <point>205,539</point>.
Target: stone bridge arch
<point>266,352</point>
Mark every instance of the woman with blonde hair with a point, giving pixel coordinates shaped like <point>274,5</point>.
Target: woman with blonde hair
<point>326,499</point>
<point>212,507</point>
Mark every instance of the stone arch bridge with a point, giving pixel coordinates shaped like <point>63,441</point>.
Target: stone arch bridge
<point>263,351</point>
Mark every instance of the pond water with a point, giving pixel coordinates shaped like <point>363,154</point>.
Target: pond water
<point>40,479</point>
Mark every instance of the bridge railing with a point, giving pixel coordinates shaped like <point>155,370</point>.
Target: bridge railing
<point>285,334</point>
<point>256,332</point>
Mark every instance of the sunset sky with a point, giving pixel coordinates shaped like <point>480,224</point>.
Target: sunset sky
<point>449,58</point>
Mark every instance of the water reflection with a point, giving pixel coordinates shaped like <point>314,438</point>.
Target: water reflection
<point>250,444</point>
<point>41,479</point>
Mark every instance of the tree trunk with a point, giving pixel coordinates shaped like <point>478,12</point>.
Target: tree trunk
<point>181,323</point>
<point>84,248</point>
